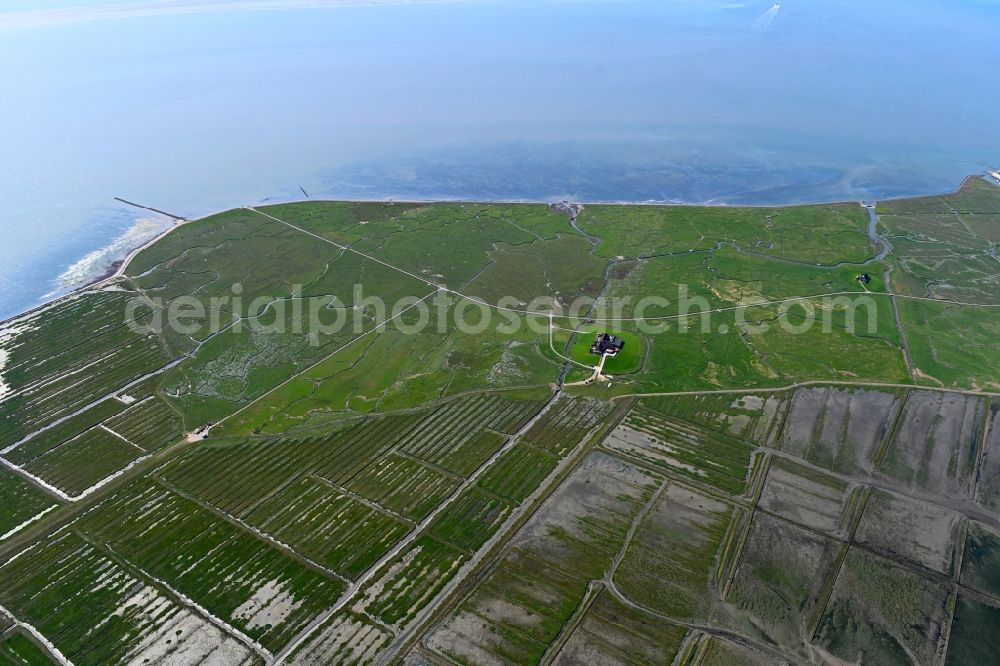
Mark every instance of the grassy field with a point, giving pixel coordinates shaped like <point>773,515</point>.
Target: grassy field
<point>68,589</point>
<point>20,501</point>
<point>256,587</point>
<point>808,497</point>
<point>518,472</point>
<point>404,485</point>
<point>568,423</point>
<point>987,489</point>
<point>150,425</point>
<point>521,606</point>
<point>670,566</point>
<point>781,577</point>
<point>812,234</point>
<point>685,449</point>
<point>883,614</point>
<point>51,372</point>
<point>409,582</point>
<point>611,632</point>
<point>752,418</point>
<point>945,247</point>
<point>627,361</point>
<point>81,463</point>
<point>936,444</point>
<point>17,649</point>
<point>327,526</point>
<point>981,562</point>
<point>953,346</point>
<point>394,370</point>
<point>840,429</point>
<point>906,529</point>
<point>366,490</point>
<point>974,639</point>
<point>349,638</point>
<point>471,519</point>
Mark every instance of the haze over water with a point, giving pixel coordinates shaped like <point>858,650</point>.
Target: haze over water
<point>738,102</point>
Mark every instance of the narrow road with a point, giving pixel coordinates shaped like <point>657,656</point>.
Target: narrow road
<point>711,630</point>
<point>588,317</point>
<point>574,210</point>
<point>598,369</point>
<point>803,384</point>
<point>376,568</point>
<point>967,507</point>
<point>66,512</point>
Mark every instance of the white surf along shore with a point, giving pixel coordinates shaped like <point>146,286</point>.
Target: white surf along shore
<point>95,270</point>
<point>96,266</point>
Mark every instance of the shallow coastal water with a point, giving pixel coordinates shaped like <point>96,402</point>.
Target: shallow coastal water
<point>736,102</point>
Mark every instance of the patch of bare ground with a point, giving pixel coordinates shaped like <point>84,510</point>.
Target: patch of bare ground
<point>918,532</point>
<point>839,429</point>
<point>522,605</point>
<point>348,639</point>
<point>806,496</point>
<point>934,448</point>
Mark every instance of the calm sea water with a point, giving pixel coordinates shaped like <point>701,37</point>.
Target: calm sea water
<point>734,101</point>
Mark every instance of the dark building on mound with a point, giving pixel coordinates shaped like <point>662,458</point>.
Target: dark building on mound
<point>607,345</point>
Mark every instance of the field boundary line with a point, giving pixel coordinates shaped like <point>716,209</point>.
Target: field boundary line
<point>111,477</point>
<point>969,508</point>
<point>34,519</point>
<point>991,420</point>
<point>69,511</point>
<point>74,369</point>
<point>584,318</point>
<point>634,526</point>
<point>434,467</point>
<point>110,396</point>
<point>956,590</point>
<point>421,529</point>
<point>904,342</point>
<point>298,375</point>
<point>371,504</point>
<point>38,481</point>
<point>802,384</point>
<point>141,573</point>
<point>826,592</point>
<point>463,550</point>
<point>120,436</point>
<point>38,636</point>
<point>243,525</point>
<point>434,658</point>
<point>742,533</point>
<point>732,546</point>
<point>675,477</point>
<point>488,557</point>
<point>709,629</point>
<point>883,449</point>
<point>569,628</point>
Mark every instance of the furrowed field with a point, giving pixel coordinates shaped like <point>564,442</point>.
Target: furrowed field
<point>792,552</point>
<point>247,494</point>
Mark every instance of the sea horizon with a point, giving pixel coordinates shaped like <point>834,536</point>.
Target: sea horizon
<point>700,102</point>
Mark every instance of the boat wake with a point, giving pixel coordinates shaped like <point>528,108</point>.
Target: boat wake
<point>765,20</point>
